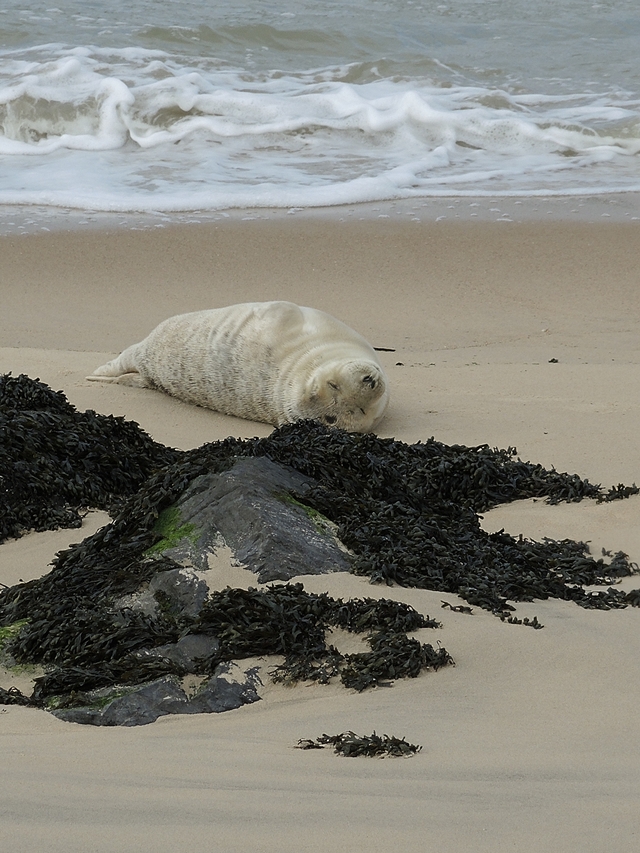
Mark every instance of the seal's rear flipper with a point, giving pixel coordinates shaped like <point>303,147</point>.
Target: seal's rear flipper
<point>133,379</point>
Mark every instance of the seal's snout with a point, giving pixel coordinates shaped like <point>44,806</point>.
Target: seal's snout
<point>370,381</point>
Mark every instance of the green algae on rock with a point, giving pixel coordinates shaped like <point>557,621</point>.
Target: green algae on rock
<point>170,526</point>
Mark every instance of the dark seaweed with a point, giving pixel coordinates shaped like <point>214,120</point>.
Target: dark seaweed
<point>392,656</point>
<point>370,614</point>
<point>99,649</point>
<point>13,696</point>
<point>352,745</point>
<point>55,461</point>
<point>456,608</point>
<point>409,513</point>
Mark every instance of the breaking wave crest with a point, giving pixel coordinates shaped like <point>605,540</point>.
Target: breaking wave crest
<point>139,129</point>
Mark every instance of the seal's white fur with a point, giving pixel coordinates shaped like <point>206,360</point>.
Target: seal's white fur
<point>266,361</point>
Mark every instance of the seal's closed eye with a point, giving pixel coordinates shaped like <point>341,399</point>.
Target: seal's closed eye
<point>330,419</point>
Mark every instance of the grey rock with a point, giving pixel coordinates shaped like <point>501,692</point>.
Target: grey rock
<point>230,687</point>
<point>256,509</point>
<point>180,591</point>
<point>187,653</point>
<point>137,707</point>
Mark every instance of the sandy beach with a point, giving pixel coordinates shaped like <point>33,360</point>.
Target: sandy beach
<point>520,334</point>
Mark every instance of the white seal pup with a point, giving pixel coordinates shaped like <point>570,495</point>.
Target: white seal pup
<point>274,362</point>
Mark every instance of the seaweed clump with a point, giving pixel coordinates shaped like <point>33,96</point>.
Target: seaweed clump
<point>351,745</point>
<point>408,513</point>
<point>55,462</point>
<point>106,647</point>
<point>285,620</point>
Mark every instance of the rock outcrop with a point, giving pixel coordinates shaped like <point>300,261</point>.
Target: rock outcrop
<point>230,687</point>
<point>256,509</point>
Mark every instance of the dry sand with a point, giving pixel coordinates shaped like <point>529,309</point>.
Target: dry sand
<point>531,743</point>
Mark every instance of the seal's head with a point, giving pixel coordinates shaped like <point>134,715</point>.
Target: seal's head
<point>351,395</point>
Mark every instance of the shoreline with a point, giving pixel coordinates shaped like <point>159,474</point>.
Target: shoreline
<point>573,207</point>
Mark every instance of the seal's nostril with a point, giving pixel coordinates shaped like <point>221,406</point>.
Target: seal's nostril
<point>330,419</point>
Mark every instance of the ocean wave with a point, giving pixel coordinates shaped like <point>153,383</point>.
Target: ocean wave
<point>144,129</point>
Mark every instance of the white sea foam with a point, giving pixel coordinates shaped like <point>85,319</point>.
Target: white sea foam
<point>139,128</point>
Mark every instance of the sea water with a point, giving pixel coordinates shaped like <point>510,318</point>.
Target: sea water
<point>204,105</point>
